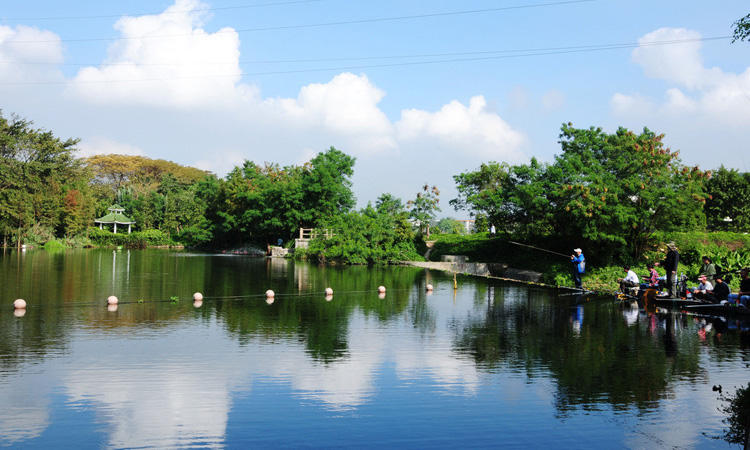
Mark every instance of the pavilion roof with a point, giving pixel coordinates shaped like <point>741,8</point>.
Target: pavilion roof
<point>115,216</point>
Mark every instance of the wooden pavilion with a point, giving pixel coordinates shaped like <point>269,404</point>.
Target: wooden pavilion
<point>115,217</point>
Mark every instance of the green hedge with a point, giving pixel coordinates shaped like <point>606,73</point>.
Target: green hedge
<point>138,239</point>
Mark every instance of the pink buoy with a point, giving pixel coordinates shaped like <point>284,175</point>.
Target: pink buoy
<point>381,289</point>
<point>329,291</point>
<point>270,293</point>
<point>112,300</point>
<point>428,287</point>
<point>198,297</point>
<point>19,304</point>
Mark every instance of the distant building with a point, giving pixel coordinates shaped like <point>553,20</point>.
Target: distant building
<point>468,225</point>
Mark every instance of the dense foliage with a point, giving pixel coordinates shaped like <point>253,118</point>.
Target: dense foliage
<point>43,187</point>
<point>737,409</point>
<point>621,194</point>
<point>380,234</point>
<point>606,191</point>
<point>727,207</point>
<point>424,207</point>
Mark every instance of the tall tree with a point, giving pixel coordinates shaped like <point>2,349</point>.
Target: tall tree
<point>424,208</point>
<point>327,186</point>
<point>37,172</point>
<point>727,208</point>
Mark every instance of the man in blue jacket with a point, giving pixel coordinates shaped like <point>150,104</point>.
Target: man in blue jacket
<point>579,266</point>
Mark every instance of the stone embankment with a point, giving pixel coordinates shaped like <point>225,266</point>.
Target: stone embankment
<point>460,264</point>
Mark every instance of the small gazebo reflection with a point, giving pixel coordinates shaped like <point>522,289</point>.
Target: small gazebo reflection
<point>115,217</point>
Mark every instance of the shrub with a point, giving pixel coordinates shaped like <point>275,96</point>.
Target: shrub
<point>138,239</point>
<point>54,245</point>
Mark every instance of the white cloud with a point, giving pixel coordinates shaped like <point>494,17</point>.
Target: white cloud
<point>702,108</point>
<point>468,129</point>
<point>99,145</point>
<point>717,95</point>
<point>22,60</point>
<point>222,162</point>
<point>197,111</point>
<point>167,60</point>
<point>553,100</point>
<point>346,105</point>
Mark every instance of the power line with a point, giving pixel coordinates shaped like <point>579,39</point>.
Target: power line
<point>381,57</point>
<point>563,50</point>
<point>181,11</point>
<point>317,25</point>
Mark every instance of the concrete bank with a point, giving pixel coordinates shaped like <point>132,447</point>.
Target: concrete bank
<point>497,271</point>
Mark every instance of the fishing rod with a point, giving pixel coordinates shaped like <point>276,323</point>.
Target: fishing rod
<point>541,249</point>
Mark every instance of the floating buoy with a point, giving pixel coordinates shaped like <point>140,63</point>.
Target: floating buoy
<point>197,303</point>
<point>329,297</point>
<point>112,300</point>
<point>381,289</point>
<point>19,312</point>
<point>428,287</point>
<point>198,297</point>
<point>19,304</point>
<point>112,307</point>
<point>329,291</point>
<point>269,300</point>
<point>270,293</point>
<point>381,295</point>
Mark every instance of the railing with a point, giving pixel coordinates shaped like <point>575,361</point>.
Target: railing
<point>306,234</point>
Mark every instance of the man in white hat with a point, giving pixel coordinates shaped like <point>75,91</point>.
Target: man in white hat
<point>579,266</point>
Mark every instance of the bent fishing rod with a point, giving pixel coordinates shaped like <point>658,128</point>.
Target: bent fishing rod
<point>540,249</point>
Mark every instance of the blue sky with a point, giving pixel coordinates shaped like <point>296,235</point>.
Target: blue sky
<point>212,83</point>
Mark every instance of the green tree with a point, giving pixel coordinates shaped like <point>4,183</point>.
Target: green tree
<point>448,225</point>
<point>609,191</point>
<point>326,185</point>
<point>424,208</point>
<point>370,236</point>
<point>37,173</point>
<point>616,190</point>
<point>482,191</point>
<point>741,29</point>
<point>728,191</point>
<point>737,410</point>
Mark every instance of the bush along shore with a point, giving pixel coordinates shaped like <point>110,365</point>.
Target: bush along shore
<point>730,251</point>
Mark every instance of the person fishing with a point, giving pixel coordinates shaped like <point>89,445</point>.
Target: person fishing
<point>578,261</point>
<point>579,266</point>
<point>670,266</point>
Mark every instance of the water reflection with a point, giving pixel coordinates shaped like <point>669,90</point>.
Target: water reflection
<point>170,373</point>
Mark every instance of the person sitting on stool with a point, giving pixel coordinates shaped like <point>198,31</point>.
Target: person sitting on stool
<point>721,290</point>
<point>704,288</point>
<point>630,280</point>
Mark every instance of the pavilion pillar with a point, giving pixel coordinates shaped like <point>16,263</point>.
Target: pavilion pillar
<point>128,228</point>
<point>100,226</point>
<point>115,227</point>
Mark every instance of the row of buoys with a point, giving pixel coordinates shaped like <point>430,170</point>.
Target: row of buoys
<point>20,304</point>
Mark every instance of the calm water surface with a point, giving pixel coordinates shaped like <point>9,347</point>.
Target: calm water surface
<point>485,365</point>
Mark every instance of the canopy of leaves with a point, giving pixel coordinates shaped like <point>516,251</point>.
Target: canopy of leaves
<point>609,191</point>
<point>42,184</point>
<point>371,236</point>
<point>741,29</point>
<point>727,206</point>
<point>424,208</point>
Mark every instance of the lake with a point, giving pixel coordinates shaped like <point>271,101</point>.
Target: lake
<point>487,364</point>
